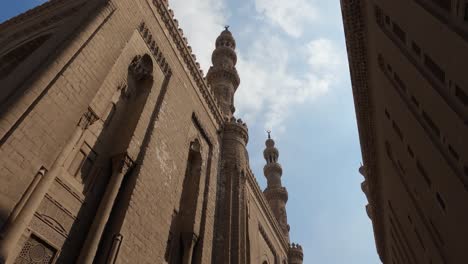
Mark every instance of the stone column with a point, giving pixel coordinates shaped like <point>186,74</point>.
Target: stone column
<point>15,228</point>
<point>121,163</point>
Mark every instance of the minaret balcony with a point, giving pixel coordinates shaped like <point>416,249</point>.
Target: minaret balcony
<point>236,127</point>
<point>271,168</point>
<point>295,254</point>
<point>276,194</point>
<point>216,73</point>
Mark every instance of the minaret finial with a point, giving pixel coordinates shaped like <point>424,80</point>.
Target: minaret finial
<point>269,132</point>
<point>226,27</point>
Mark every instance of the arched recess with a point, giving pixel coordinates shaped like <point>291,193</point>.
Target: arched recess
<point>10,60</point>
<point>183,234</point>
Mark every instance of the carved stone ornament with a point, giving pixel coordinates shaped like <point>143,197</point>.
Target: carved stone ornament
<point>88,118</point>
<point>121,163</point>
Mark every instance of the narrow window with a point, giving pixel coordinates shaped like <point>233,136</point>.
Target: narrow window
<point>409,219</point>
<point>419,239</point>
<point>423,172</point>
<point>389,68</point>
<point>441,201</point>
<point>410,151</point>
<point>466,170</point>
<point>434,68</point>
<point>399,32</point>
<point>453,152</point>
<point>397,130</point>
<point>415,101</point>
<point>401,167</point>
<point>416,48</point>
<point>437,232</point>
<point>387,20</point>
<point>399,81</point>
<point>387,114</point>
<point>388,149</point>
<point>461,95</point>
<point>431,124</point>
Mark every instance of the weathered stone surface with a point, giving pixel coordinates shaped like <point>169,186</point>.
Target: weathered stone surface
<point>114,147</point>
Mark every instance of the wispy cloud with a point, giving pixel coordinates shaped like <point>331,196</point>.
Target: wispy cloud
<point>202,22</point>
<point>291,15</point>
<point>271,85</point>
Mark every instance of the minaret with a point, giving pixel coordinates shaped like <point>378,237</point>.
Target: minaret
<point>230,245</point>
<point>276,194</point>
<point>223,76</point>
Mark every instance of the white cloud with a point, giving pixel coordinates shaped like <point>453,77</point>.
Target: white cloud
<point>272,84</point>
<point>202,21</point>
<point>291,15</point>
<point>270,88</point>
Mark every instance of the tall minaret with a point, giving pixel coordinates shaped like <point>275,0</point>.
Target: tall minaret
<point>276,194</point>
<point>223,76</point>
<point>230,233</point>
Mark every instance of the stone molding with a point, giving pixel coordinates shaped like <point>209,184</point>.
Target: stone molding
<point>354,22</point>
<point>272,167</point>
<point>223,73</point>
<point>268,241</point>
<point>223,51</point>
<point>266,208</point>
<point>172,25</point>
<point>155,50</point>
<point>276,194</point>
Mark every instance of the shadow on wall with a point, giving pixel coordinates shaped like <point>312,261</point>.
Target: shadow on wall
<point>114,139</point>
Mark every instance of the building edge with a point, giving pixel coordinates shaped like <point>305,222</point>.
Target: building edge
<point>356,37</point>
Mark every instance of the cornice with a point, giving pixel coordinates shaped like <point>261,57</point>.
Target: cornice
<point>356,43</point>
<point>266,208</point>
<point>172,25</point>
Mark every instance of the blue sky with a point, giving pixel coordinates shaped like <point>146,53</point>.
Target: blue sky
<point>294,81</point>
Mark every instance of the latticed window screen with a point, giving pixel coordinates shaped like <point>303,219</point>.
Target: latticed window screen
<point>35,251</point>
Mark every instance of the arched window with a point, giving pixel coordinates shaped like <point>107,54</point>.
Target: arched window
<point>13,58</point>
